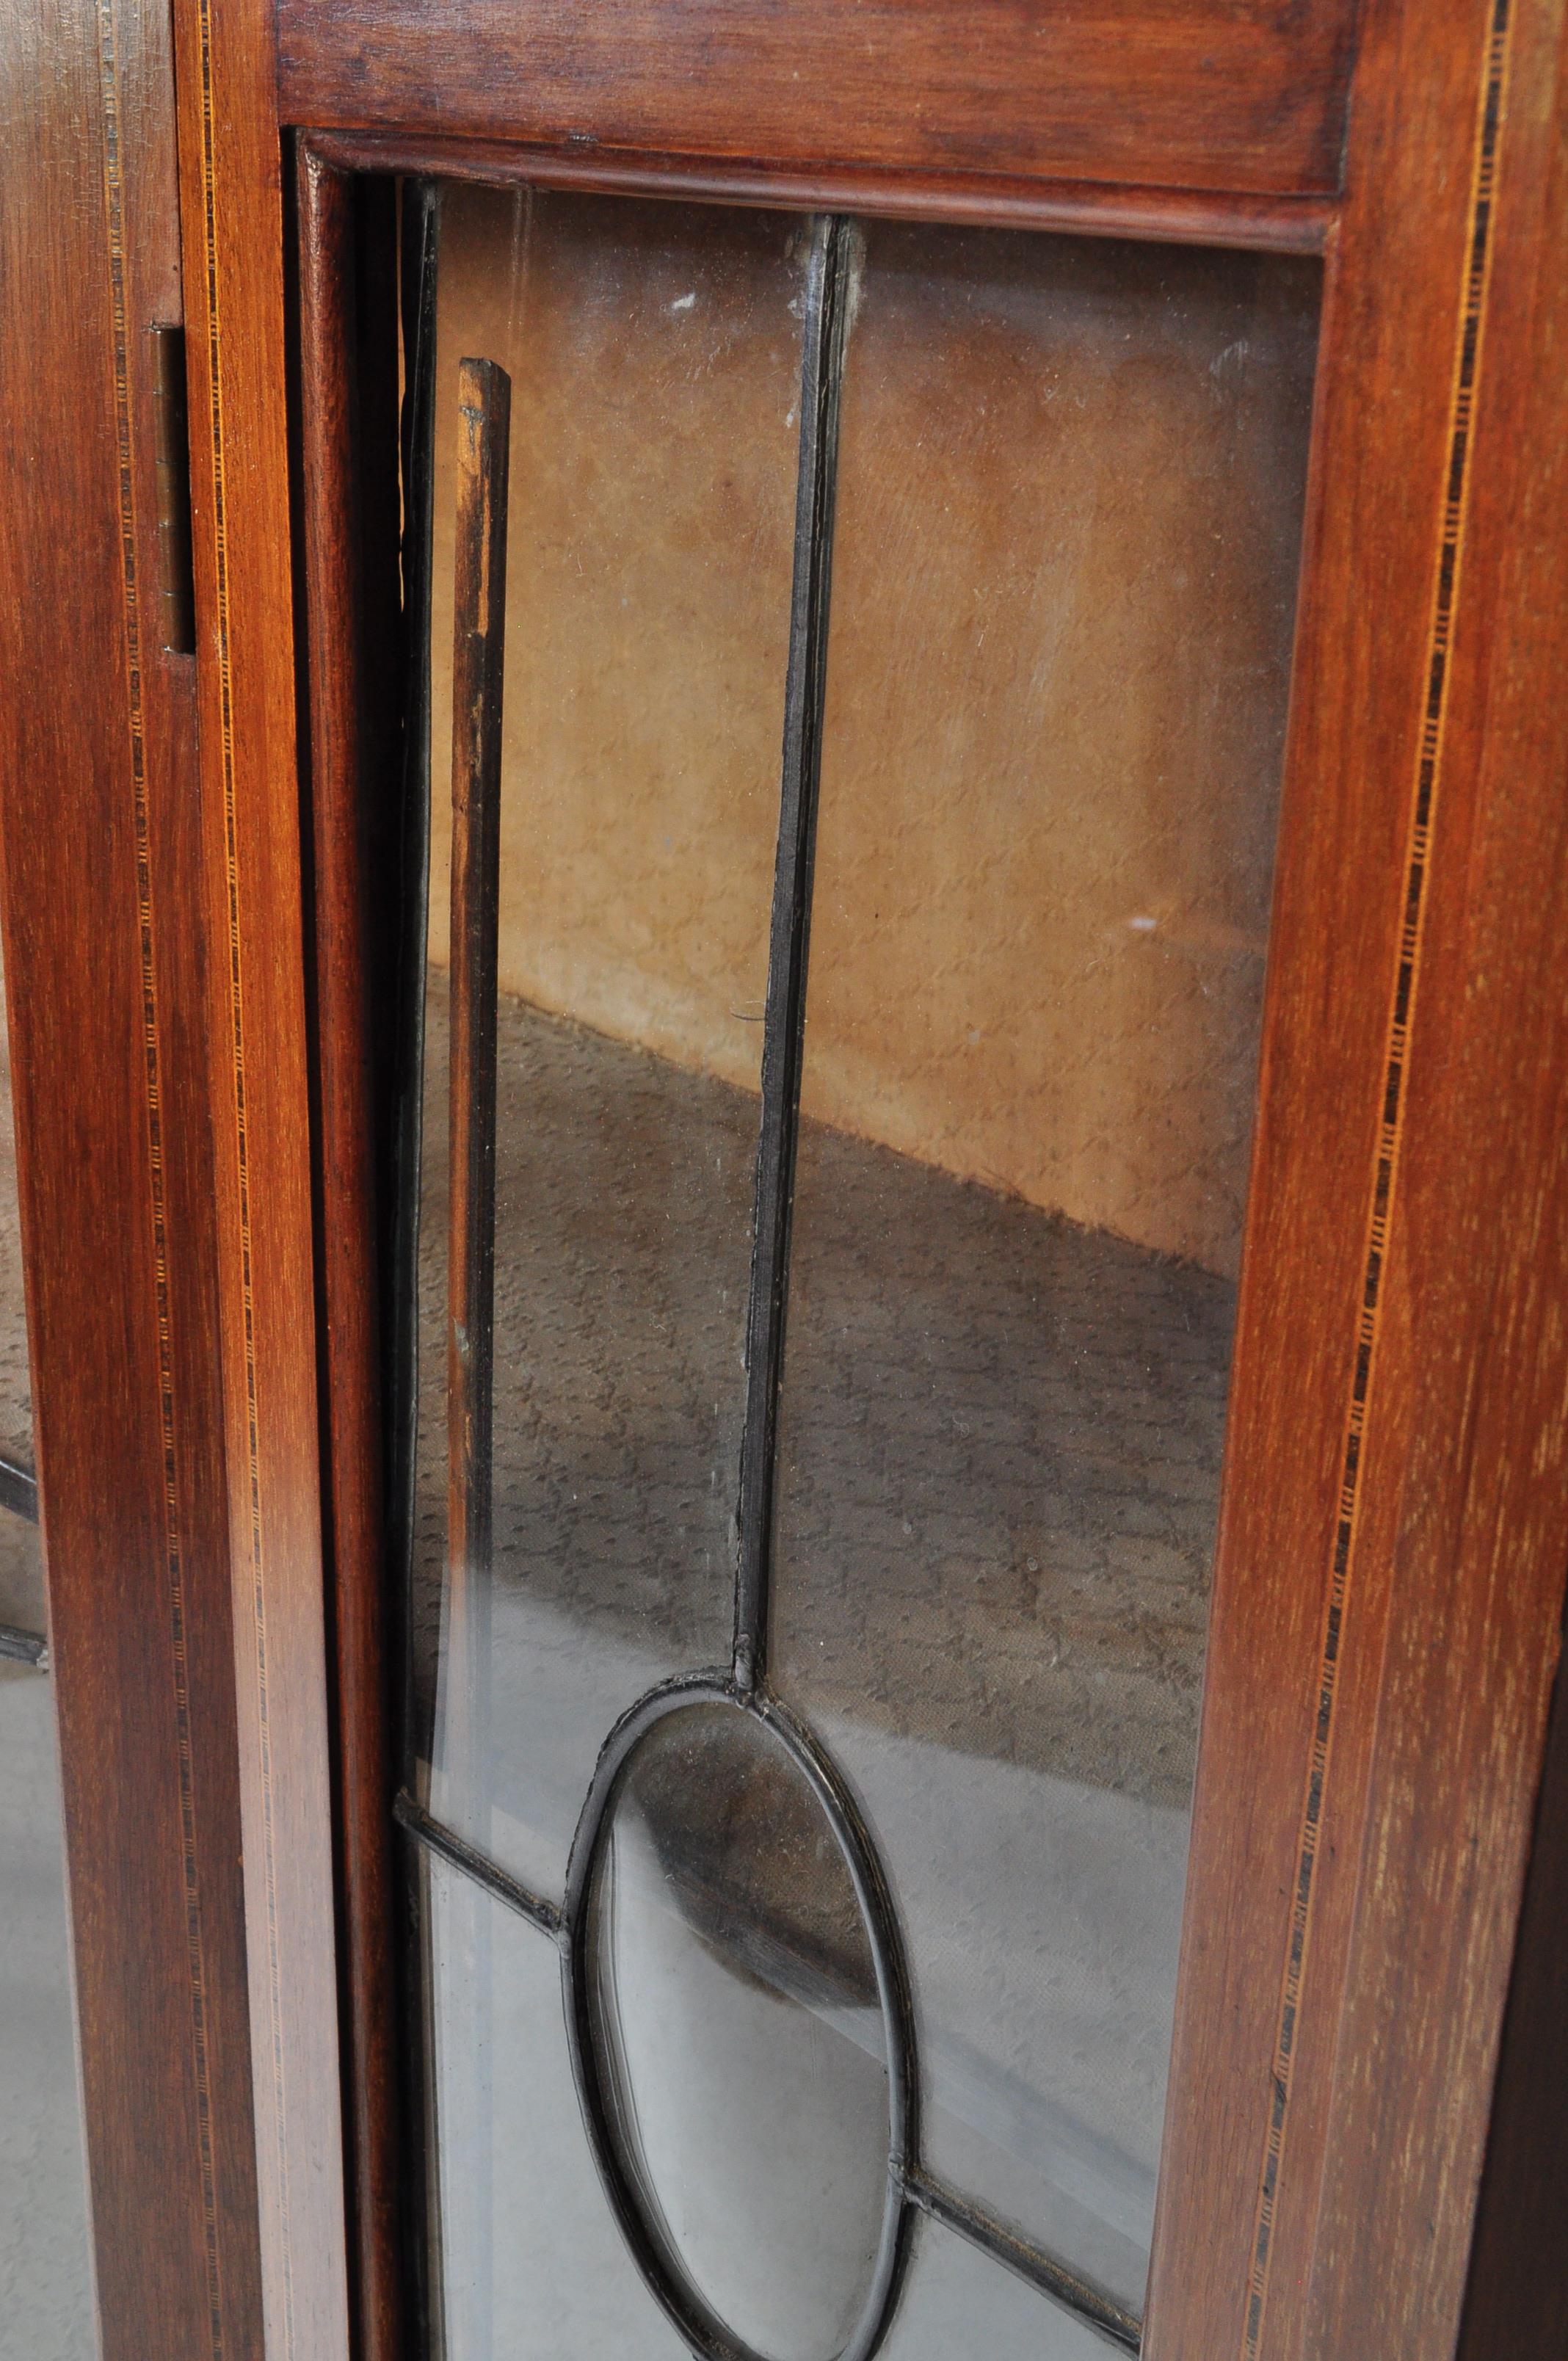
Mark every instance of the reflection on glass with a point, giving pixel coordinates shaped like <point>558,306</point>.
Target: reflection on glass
<point>531,2261</point>
<point>46,2298</point>
<point>739,2037</point>
<point>1069,486</point>
<point>45,2295</point>
<point>21,1559</point>
<point>15,1381</point>
<point>1068,492</point>
<point>654,357</point>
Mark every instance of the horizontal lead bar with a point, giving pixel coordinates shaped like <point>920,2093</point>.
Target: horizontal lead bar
<point>451,1848</point>
<point>19,1489</point>
<point>24,1647</point>
<point>1053,2278</point>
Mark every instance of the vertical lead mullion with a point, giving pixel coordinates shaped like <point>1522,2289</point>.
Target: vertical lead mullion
<point>827,308</point>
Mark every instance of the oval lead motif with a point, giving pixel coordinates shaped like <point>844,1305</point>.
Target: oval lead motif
<point>735,2038</point>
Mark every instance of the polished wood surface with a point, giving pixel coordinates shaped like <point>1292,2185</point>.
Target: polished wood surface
<point>351,770</point>
<point>231,220</point>
<point>1377,1684</point>
<point>100,858</point>
<point>1168,93</point>
<point>1282,225</point>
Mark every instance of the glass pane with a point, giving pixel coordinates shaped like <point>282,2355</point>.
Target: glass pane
<point>655,355</point>
<point>738,2033</point>
<point>958,2302</point>
<point>530,2264</point>
<point>46,2292</point>
<point>15,1381</point>
<point>1068,497</point>
<point>21,1557</point>
<point>21,1574</point>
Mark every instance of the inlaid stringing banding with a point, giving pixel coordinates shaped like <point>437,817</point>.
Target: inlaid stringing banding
<point>1445,591</point>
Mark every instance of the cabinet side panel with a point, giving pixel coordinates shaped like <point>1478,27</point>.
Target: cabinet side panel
<point>102,925</point>
<point>231,216</point>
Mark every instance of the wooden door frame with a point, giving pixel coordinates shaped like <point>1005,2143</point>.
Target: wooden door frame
<point>1390,1587</point>
<point>101,887</point>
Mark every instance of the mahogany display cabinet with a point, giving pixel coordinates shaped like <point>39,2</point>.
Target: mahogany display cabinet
<point>783,849</point>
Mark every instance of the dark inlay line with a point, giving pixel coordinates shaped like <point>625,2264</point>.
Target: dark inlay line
<point>458,1854</point>
<point>1031,2263</point>
<point>19,1489</point>
<point>24,1647</point>
<point>822,366</point>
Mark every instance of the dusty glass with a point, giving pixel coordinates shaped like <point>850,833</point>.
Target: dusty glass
<point>655,355</point>
<point>529,2256</point>
<point>737,2031</point>
<point>1068,499</point>
<point>864,1274</point>
<point>46,2292</point>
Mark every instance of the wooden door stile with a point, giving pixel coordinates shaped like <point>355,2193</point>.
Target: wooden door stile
<point>349,571</point>
<point>1348,1931</point>
<point>101,863</point>
<point>232,222</point>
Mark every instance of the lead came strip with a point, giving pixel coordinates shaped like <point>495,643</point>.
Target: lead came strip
<point>822,374</point>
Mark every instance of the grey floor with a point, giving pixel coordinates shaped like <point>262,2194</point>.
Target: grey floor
<point>45,2312</point>
<point>999,1468</point>
<point>1000,1435</point>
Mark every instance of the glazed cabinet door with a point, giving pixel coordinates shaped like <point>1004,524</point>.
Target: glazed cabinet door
<point>850,694</point>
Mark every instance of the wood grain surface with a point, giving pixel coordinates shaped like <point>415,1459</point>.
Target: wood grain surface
<point>1240,95</point>
<point>100,853</point>
<point>1289,223</point>
<point>1377,1684</point>
<point>349,570</point>
<point>232,225</point>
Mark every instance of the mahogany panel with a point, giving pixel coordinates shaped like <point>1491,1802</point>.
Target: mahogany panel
<point>102,871</point>
<point>351,575</point>
<point>1478,1278</point>
<point>1283,224</point>
<point>1241,95</point>
<point>1377,1691</point>
<point>232,227</point>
